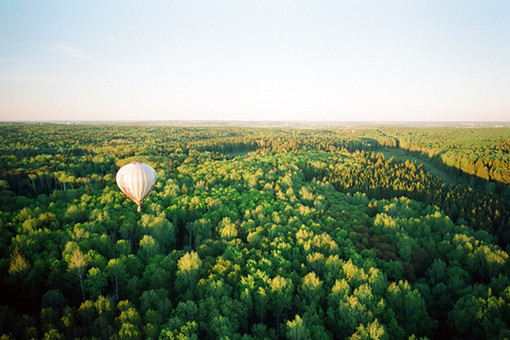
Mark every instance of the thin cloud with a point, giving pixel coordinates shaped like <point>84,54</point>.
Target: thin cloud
<point>85,55</point>
<point>72,52</point>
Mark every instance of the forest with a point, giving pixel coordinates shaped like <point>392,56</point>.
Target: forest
<point>255,233</point>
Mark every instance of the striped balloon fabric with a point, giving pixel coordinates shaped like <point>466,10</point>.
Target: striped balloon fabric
<point>136,180</point>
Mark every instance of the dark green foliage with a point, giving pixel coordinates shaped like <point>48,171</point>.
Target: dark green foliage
<point>255,233</point>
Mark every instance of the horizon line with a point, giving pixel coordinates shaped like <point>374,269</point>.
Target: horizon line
<point>274,123</point>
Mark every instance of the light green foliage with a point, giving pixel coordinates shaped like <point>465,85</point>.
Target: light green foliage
<point>297,330</point>
<point>149,247</point>
<point>372,331</point>
<point>311,288</point>
<point>227,229</point>
<point>188,272</point>
<point>18,264</point>
<point>189,263</point>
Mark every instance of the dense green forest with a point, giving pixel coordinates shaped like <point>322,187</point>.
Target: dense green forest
<point>373,233</point>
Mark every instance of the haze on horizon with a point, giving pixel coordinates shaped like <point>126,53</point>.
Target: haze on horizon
<point>261,60</point>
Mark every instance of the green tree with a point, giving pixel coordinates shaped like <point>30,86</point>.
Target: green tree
<point>297,330</point>
<point>116,272</point>
<point>280,297</point>
<point>311,289</point>
<point>77,263</point>
<point>96,282</point>
<point>372,331</point>
<point>188,271</point>
<point>409,308</point>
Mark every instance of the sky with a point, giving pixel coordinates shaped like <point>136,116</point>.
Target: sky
<point>381,60</point>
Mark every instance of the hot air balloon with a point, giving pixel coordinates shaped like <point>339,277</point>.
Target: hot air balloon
<point>136,180</point>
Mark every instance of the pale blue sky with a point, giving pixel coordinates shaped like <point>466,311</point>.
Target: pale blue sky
<point>255,60</point>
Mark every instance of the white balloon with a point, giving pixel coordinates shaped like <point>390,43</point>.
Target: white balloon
<point>136,180</point>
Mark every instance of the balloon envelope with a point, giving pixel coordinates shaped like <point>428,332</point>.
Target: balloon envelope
<point>136,180</point>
